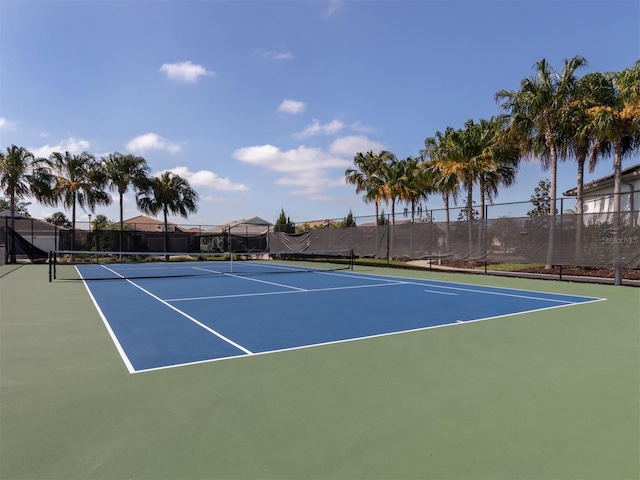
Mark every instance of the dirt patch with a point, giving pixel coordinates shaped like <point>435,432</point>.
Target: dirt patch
<point>627,274</point>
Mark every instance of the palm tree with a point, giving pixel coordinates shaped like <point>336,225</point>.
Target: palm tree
<point>168,193</point>
<point>616,121</point>
<point>78,180</point>
<point>476,154</point>
<point>21,175</point>
<point>461,162</point>
<point>591,89</point>
<point>536,113</point>
<point>499,166</point>
<point>392,183</point>
<point>363,176</point>
<point>419,183</point>
<point>445,182</point>
<point>122,171</point>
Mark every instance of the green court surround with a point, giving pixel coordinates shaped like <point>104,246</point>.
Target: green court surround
<point>551,394</point>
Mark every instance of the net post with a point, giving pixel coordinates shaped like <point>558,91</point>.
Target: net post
<point>352,259</point>
<point>231,262</point>
<point>50,266</point>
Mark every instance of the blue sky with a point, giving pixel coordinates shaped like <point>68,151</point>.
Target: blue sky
<point>262,105</point>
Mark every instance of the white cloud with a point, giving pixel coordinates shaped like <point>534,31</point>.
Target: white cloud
<point>210,199</point>
<point>292,106</point>
<point>281,54</point>
<point>71,145</point>
<point>305,169</point>
<point>360,128</point>
<point>350,145</point>
<point>185,71</point>
<point>318,129</point>
<point>151,141</point>
<point>311,184</point>
<point>6,124</point>
<point>205,178</point>
<point>301,159</point>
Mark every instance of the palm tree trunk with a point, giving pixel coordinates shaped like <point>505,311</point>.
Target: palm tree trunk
<point>580,209</point>
<point>552,214</point>
<point>11,238</point>
<point>73,223</point>
<point>393,211</point>
<point>470,215</point>
<point>166,236</point>
<point>617,224</point>
<point>482,219</point>
<point>121,223</point>
<point>445,197</point>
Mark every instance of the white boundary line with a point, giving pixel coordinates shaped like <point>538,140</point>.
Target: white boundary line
<point>440,293</point>
<point>113,336</point>
<point>369,275</point>
<point>391,281</point>
<point>298,290</point>
<point>492,293</point>
<point>189,317</point>
<point>254,280</point>
<point>453,323</point>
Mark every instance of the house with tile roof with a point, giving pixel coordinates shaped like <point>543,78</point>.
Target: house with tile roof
<point>150,224</point>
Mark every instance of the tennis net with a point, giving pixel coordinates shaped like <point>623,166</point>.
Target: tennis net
<point>89,265</point>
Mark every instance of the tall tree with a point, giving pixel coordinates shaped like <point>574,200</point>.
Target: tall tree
<point>100,222</point>
<point>471,155</point>
<point>366,173</point>
<point>591,89</point>
<point>536,112</point>
<point>617,121</point>
<point>283,224</point>
<point>499,166</point>
<point>444,181</point>
<point>541,200</point>
<point>78,181</point>
<point>349,221</point>
<point>419,183</point>
<point>391,182</point>
<point>168,193</point>
<point>58,219</point>
<point>21,207</point>
<point>121,172</point>
<point>21,175</point>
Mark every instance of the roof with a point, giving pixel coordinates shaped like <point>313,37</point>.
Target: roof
<point>250,221</point>
<point>148,224</point>
<point>399,221</point>
<point>251,226</point>
<point>320,223</point>
<point>28,225</point>
<point>627,174</point>
<point>7,213</point>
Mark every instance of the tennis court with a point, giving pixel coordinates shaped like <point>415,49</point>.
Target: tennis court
<point>211,311</point>
<point>364,373</point>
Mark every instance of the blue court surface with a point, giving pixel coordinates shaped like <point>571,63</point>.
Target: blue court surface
<point>166,322</point>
